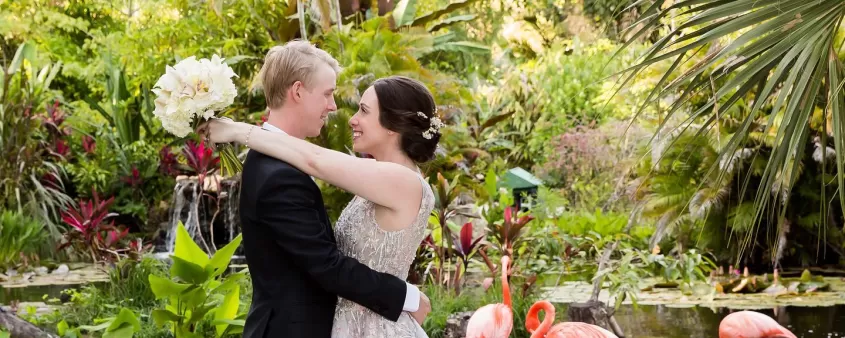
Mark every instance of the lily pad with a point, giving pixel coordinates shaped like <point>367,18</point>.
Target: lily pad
<point>79,274</point>
<point>834,294</point>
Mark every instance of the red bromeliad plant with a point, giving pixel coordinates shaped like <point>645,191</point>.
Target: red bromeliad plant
<point>134,179</point>
<point>422,260</point>
<point>137,249</point>
<point>53,120</point>
<point>465,247</point>
<point>508,231</point>
<point>113,237</point>
<point>201,159</point>
<point>87,222</point>
<point>445,195</point>
<point>60,148</point>
<point>88,144</point>
<point>168,164</point>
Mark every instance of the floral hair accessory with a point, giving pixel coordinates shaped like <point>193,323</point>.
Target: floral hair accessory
<point>434,126</point>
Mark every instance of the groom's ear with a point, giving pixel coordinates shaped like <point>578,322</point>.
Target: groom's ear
<point>294,91</point>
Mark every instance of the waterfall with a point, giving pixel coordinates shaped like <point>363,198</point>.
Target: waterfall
<point>182,208</point>
<point>232,198</point>
<point>209,213</point>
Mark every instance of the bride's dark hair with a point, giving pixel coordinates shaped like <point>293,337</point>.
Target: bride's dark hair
<point>407,107</point>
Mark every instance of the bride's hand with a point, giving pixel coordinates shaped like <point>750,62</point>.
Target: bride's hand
<point>222,130</point>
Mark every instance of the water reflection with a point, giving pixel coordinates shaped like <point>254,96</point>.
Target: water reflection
<point>652,321</point>
<point>34,293</point>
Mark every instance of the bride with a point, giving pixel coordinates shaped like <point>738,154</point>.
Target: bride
<point>385,222</point>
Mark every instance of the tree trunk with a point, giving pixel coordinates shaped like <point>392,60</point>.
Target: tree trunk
<point>596,313</point>
<point>20,328</point>
<point>348,8</point>
<point>385,6</point>
<point>456,325</point>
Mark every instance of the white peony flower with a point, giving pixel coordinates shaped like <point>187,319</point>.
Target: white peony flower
<point>193,89</point>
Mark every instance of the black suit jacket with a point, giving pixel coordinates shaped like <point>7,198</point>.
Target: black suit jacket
<point>297,271</point>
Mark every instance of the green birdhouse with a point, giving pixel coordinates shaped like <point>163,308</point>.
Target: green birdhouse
<point>523,184</point>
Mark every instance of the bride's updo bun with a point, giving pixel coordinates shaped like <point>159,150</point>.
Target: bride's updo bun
<point>407,107</point>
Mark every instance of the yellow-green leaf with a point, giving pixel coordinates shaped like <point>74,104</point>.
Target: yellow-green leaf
<point>187,271</point>
<point>125,317</point>
<point>220,261</point>
<point>227,310</point>
<point>163,287</point>
<point>187,249</point>
<point>161,317</point>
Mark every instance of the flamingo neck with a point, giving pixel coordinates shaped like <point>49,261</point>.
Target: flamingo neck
<point>506,290</point>
<point>541,330</point>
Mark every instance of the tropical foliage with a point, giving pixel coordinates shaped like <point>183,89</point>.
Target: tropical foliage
<point>708,128</point>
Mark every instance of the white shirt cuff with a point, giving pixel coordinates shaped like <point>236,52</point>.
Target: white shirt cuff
<point>412,298</point>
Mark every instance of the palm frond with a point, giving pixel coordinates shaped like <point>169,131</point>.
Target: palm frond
<point>783,55</point>
<point>708,200</point>
<point>662,227</point>
<point>741,218</point>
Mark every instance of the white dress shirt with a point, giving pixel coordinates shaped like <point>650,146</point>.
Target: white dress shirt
<point>412,293</point>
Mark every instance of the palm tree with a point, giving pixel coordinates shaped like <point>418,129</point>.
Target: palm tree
<point>784,53</point>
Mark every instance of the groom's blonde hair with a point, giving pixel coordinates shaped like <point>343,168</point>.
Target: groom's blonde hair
<point>294,61</point>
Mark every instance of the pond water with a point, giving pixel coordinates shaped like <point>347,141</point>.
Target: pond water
<point>669,313</point>
<point>661,313</point>
<point>36,293</point>
<point>653,321</point>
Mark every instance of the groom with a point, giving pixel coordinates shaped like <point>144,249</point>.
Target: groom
<point>296,268</point>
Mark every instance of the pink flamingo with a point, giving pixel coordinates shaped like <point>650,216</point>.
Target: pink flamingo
<point>561,330</point>
<point>752,324</point>
<point>494,320</point>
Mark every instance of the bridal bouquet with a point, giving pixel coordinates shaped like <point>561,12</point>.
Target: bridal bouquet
<point>193,90</point>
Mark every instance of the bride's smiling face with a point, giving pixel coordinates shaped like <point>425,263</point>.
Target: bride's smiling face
<point>367,132</point>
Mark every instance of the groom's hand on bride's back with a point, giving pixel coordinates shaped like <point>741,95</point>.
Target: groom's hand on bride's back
<point>423,311</point>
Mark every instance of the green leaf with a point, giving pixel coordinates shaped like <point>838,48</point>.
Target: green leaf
<point>490,183</point>
<point>163,287</point>
<point>235,329</point>
<point>452,7</point>
<point>227,310</point>
<point>404,12</point>
<point>26,51</point>
<point>222,257</point>
<point>236,322</point>
<point>230,282</point>
<point>126,331</point>
<point>93,328</point>
<point>188,272</point>
<point>62,327</point>
<point>451,21</point>
<point>125,318</point>
<point>187,249</point>
<point>199,313</point>
<point>462,46</point>
<point>229,163</point>
<point>194,296</point>
<point>185,332</point>
<point>217,6</point>
<point>162,317</point>
<point>238,58</point>
<point>4,334</point>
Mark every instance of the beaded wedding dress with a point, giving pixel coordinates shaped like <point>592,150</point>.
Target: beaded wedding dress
<point>359,236</point>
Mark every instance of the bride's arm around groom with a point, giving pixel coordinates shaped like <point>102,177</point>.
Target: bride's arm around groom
<point>297,269</point>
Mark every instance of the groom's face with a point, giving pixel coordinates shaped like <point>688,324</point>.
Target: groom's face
<point>318,101</point>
